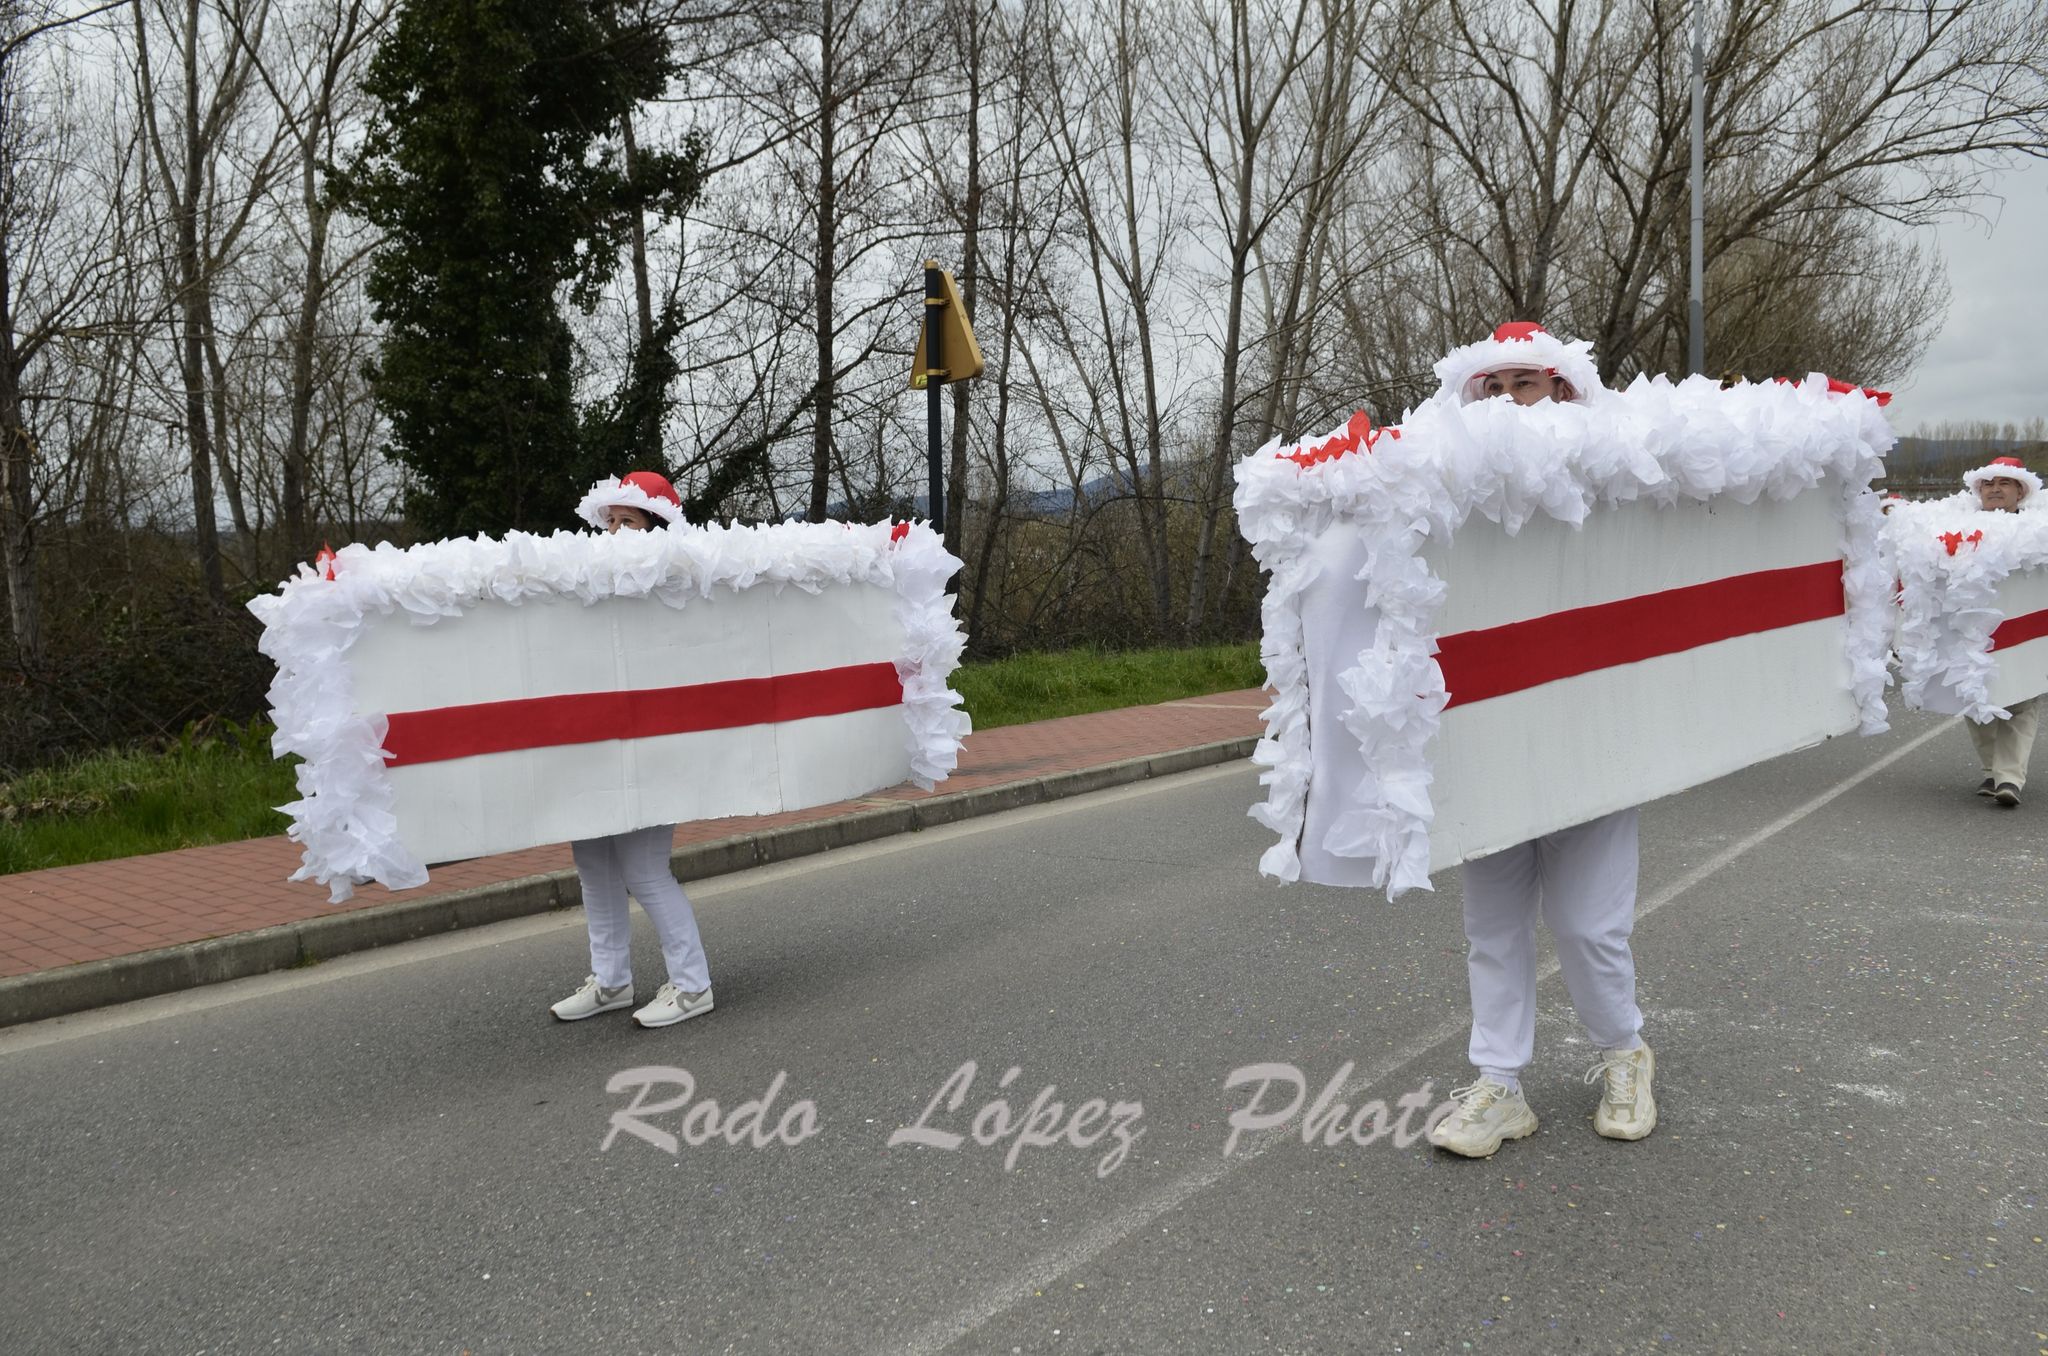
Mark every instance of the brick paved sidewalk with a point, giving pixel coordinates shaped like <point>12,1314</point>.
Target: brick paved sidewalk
<point>76,914</point>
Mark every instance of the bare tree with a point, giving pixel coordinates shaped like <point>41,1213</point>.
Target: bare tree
<point>969,21</point>
<point>212,172</point>
<point>315,85</point>
<point>51,262</point>
<point>859,84</point>
<point>1105,118</point>
<point>1276,126</point>
<point>1026,210</point>
<point>1553,142</point>
<point>805,240</point>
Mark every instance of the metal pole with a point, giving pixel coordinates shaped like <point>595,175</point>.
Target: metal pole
<point>1696,346</point>
<point>934,386</point>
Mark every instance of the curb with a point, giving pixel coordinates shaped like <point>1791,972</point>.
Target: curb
<point>147,974</point>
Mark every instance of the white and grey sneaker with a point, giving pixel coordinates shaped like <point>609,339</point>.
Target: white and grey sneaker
<point>1489,1114</point>
<point>1628,1108</point>
<point>592,999</point>
<point>672,1005</point>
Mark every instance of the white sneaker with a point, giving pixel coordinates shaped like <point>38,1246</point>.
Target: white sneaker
<point>1488,1114</point>
<point>672,1005</point>
<point>1628,1110</point>
<point>592,999</point>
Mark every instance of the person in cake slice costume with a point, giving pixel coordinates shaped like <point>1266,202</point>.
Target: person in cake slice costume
<point>637,862</point>
<point>2004,746</point>
<point>1580,880</point>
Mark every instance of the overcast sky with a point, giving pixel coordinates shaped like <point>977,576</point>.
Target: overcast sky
<point>1982,365</point>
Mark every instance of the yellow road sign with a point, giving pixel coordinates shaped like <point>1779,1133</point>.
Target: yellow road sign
<point>959,355</point>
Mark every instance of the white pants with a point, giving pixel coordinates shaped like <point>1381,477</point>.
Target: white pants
<point>2004,747</point>
<point>1583,881</point>
<point>637,862</point>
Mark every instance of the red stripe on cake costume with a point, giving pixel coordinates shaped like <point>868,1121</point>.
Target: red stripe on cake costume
<point>589,717</point>
<point>2019,630</point>
<point>1498,660</point>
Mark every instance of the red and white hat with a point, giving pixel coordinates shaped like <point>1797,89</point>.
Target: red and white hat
<point>647,491</point>
<point>2006,468</point>
<point>1519,343</point>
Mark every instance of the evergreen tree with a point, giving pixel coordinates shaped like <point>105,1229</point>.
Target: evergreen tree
<point>491,169</point>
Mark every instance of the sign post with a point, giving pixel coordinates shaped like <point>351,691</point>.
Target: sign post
<point>1696,304</point>
<point>946,352</point>
<point>935,380</point>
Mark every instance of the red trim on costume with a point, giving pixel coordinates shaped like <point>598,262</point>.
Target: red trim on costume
<point>1358,431</point>
<point>589,717</point>
<point>1498,660</point>
<point>1836,386</point>
<point>2019,630</point>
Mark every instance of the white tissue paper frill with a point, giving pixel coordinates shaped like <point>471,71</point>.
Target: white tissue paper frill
<point>1948,600</point>
<point>1423,478</point>
<point>344,818</point>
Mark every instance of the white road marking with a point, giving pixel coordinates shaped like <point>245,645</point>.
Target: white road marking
<point>1785,821</point>
<point>940,1334</point>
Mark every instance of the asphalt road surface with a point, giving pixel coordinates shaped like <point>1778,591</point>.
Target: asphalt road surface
<point>1843,956</point>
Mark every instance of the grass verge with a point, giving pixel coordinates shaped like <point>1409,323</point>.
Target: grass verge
<point>1029,687</point>
<point>214,786</point>
<point>219,784</point>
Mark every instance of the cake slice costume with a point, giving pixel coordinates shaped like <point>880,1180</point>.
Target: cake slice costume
<point>1497,627</point>
<point>480,695</point>
<point>474,696</point>
<point>1972,571</point>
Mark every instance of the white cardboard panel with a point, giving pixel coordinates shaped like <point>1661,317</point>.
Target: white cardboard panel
<point>2022,670</point>
<point>830,758</point>
<point>1532,762</point>
<point>716,639</point>
<point>1623,552</point>
<point>851,625</point>
<point>549,646</point>
<point>501,802</point>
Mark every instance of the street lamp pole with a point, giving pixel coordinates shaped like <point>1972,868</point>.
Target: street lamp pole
<point>935,363</point>
<point>1696,346</point>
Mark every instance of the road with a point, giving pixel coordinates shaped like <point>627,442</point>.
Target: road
<point>1843,955</point>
